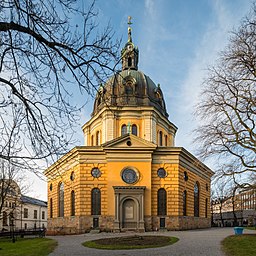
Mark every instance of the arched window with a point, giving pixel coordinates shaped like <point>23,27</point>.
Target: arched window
<point>129,62</point>
<point>95,202</point>
<point>129,88</point>
<point>184,203</point>
<point>206,207</point>
<point>161,202</point>
<point>5,219</point>
<point>92,140</point>
<point>51,208</point>
<point>123,129</point>
<point>185,176</point>
<point>97,138</point>
<point>166,140</point>
<point>99,101</point>
<point>61,200</point>
<point>73,209</point>
<point>196,199</point>
<point>160,138</point>
<point>134,129</point>
<point>11,219</point>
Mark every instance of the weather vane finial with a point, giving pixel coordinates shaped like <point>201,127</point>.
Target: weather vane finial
<point>129,29</point>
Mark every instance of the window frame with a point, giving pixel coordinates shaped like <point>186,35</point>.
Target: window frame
<point>161,202</point>
<point>51,208</point>
<point>184,200</point>
<point>123,129</point>
<point>160,138</point>
<point>95,201</point>
<point>73,201</point>
<point>206,207</point>
<point>135,130</point>
<point>5,218</point>
<point>97,137</point>
<point>35,214</point>
<point>61,200</point>
<point>196,200</point>
<point>25,213</point>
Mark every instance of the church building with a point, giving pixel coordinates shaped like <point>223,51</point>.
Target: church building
<point>129,175</point>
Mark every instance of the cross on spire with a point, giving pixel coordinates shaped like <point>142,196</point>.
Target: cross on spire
<point>129,29</point>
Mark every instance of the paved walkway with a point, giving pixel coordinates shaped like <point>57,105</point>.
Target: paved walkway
<point>192,243</point>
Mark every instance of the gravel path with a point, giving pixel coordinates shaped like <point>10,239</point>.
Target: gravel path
<point>192,243</point>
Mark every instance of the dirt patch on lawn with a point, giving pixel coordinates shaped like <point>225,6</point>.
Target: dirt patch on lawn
<point>131,242</point>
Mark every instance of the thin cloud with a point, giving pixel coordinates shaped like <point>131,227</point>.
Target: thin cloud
<point>150,8</point>
<point>213,41</point>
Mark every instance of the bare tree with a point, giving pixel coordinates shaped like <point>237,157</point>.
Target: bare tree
<point>48,50</point>
<point>227,108</point>
<point>234,207</point>
<point>218,198</point>
<point>212,202</point>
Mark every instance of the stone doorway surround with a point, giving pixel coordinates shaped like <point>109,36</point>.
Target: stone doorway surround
<point>129,204</point>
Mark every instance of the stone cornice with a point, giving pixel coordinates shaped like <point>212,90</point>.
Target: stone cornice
<point>143,144</point>
<point>129,187</point>
<point>73,157</point>
<point>185,159</point>
<point>143,152</point>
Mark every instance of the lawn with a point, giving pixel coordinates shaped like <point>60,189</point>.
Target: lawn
<point>251,228</point>
<point>27,247</point>
<point>131,242</point>
<point>240,245</point>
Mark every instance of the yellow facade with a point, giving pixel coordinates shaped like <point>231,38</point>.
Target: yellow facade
<point>129,174</point>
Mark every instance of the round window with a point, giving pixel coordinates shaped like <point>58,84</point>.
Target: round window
<point>96,173</point>
<point>161,173</point>
<point>129,143</point>
<point>129,176</point>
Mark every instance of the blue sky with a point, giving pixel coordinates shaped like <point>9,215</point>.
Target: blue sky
<point>177,40</point>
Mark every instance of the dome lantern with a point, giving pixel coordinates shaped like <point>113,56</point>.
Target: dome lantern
<point>130,53</point>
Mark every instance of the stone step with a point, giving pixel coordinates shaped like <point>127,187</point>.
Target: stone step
<point>94,231</point>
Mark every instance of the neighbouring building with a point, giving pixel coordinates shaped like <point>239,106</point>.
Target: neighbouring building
<point>20,211</point>
<point>243,213</point>
<point>129,175</point>
<point>33,213</point>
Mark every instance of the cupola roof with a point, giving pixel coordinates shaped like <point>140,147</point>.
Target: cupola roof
<point>130,87</point>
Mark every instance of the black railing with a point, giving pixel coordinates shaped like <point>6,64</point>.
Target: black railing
<point>24,232</point>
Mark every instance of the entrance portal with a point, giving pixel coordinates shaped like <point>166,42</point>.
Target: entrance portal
<point>129,208</point>
<point>130,218</point>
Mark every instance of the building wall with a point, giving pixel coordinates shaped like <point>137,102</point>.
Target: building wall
<point>244,207</point>
<point>32,221</point>
<point>109,122</point>
<point>15,207</point>
<point>10,213</point>
<point>111,165</point>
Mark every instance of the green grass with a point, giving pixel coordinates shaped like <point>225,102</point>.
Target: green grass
<point>240,245</point>
<point>27,247</point>
<point>251,228</point>
<point>131,242</point>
